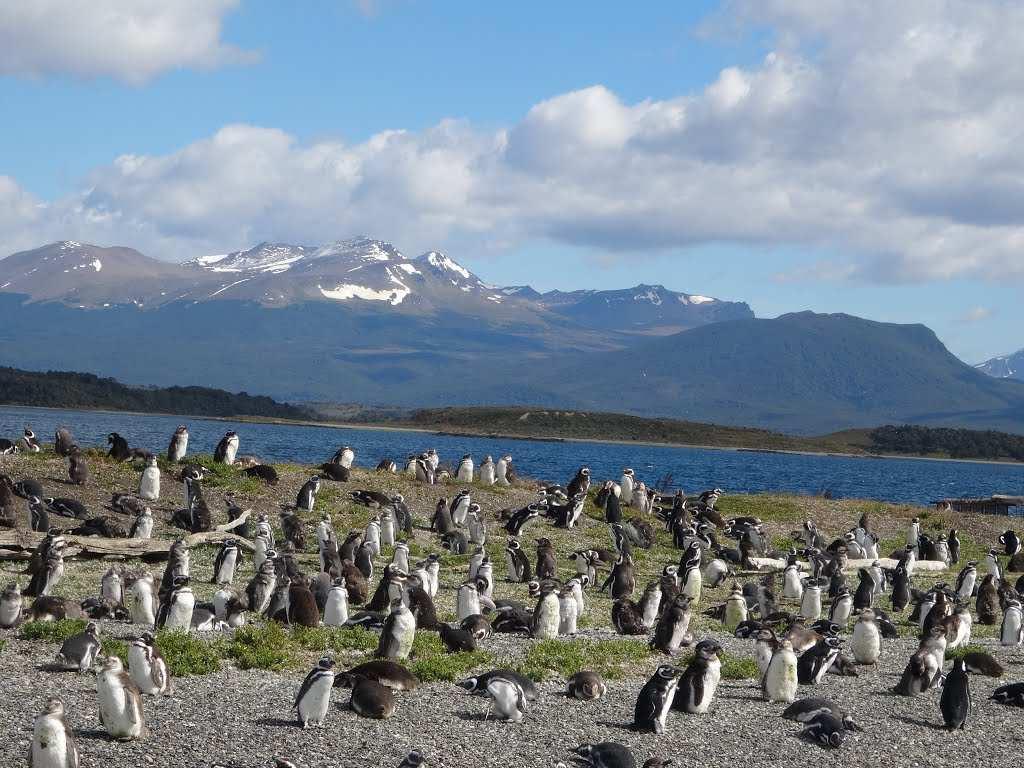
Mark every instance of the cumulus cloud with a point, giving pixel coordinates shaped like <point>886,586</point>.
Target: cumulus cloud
<point>131,40</point>
<point>884,136</point>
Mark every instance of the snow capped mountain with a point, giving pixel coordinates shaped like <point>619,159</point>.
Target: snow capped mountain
<point>1006,367</point>
<point>265,257</point>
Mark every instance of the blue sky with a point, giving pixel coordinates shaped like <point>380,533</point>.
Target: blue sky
<point>852,159</point>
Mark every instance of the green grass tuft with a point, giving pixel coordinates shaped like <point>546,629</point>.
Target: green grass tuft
<point>52,631</point>
<point>263,646</point>
<point>335,639</point>
<point>112,646</point>
<point>963,650</point>
<point>610,658</point>
<point>187,655</point>
<point>430,662</point>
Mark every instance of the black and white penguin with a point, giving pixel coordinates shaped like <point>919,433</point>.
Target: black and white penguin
<point>699,682</point>
<point>966,580</point>
<point>779,682</point>
<point>690,578</point>
<point>1012,695</point>
<point>606,754</point>
<point>11,605</point>
<point>507,697</point>
<point>120,703</point>
<point>387,466</point>
<point>656,699</point>
<point>622,579</point>
<point>314,697</point>
<point>866,590</point>
<point>178,446</point>
<point>459,508</point>
<point>30,441</point>
<point>227,448</point>
<point>8,447</point>
<point>486,472</point>
<point>79,651</point>
<point>149,481</point>
<point>306,497</point>
<point>900,589</point>
<point>176,608</point>
<point>465,470</point>
<point>53,742</point>
<point>518,520</point>
<point>398,633</point>
<point>953,542</point>
<point>1011,632</point>
<point>119,450</point>
<point>955,702</point>
<point>815,662</point>
<point>547,613</point>
<point>826,729</point>
<point>867,639</point>
<point>673,629</point>
<point>226,562</point>
<point>519,570</point>
<point>335,472</point>
<point>142,527</point>
<point>147,668</point>
<point>586,685</point>
<point>579,483</point>
<point>344,457</point>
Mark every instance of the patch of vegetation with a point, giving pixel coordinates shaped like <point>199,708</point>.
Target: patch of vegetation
<point>733,667</point>
<point>766,506</point>
<point>187,655</point>
<point>963,650</point>
<point>430,662</point>
<point>610,658</point>
<point>112,646</point>
<point>335,639</point>
<point>225,476</point>
<point>52,631</point>
<point>263,646</point>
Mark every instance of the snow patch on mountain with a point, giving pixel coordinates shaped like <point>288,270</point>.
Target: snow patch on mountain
<point>650,295</point>
<point>696,299</point>
<point>440,261</point>
<point>363,248</point>
<point>346,291</point>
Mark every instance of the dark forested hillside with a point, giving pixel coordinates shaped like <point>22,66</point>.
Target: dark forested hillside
<point>55,389</point>
<point>955,443</point>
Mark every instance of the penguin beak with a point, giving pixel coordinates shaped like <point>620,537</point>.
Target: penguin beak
<point>467,684</point>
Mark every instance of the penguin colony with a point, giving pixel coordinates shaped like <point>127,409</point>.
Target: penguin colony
<point>802,617</point>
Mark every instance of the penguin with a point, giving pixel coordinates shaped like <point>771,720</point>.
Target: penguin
<point>1011,695</point>
<point>508,699</point>
<point>690,579</point>
<point>63,442</point>
<point>673,630</point>
<point>518,520</point>
<point>626,484</point>
<point>387,529</point>
<point>119,450</point>
<point>307,494</point>
<point>900,589</point>
<point>621,579</point>
<point>735,608</point>
<point>53,742</point>
<point>914,532</point>
<point>178,446</point>
<point>503,473</point>
<point>546,615</point>
<point>477,526</point>
<point>864,597</point>
<point>459,509</point>
<point>924,670</point>
<point>815,662</point>
<point>78,470</point>
<point>142,526</point>
<point>398,633</point>
<point>607,754</point>
<point>626,618</point>
<point>953,542</point>
<point>958,626</point>
<point>547,567</point>
<point>147,668</point>
<point>120,703</point>
<point>981,663</point>
<point>227,449</point>
<point>842,606</point>
<point>413,760</point>
<point>50,571</point>
<point>112,586</point>
<point>11,606</point>
<point>810,603</point>
<point>314,697</point>
<point>992,564</point>
<point>825,729</point>
<point>1011,543</point>
<point>988,601</point>
<point>792,582</point>
<point>715,573</point>
<point>456,639</point>
<point>176,609</point>
<point>387,673</point>
<point>371,699</point>
<point>465,471</point>
<point>30,441</point>
<point>292,529</point>
<point>867,639</point>
<point>226,562</point>
<point>344,457</point>
<point>79,651</point>
<point>698,683</point>
<point>586,686</point>
<point>966,580</point>
<point>779,681</point>
<point>650,604</point>
<point>142,602</point>
<point>1011,633</point>
<point>486,473</point>
<point>955,702</point>
<point>302,609</point>
<point>655,699</point>
<point>425,472</point>
<point>335,472</point>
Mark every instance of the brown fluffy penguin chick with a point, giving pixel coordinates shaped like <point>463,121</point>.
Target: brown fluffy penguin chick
<point>302,609</point>
<point>586,685</point>
<point>384,671</point>
<point>78,471</point>
<point>371,699</point>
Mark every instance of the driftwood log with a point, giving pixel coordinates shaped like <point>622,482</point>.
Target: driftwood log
<point>19,544</point>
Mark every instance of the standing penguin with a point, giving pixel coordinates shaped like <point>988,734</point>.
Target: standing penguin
<point>690,579</point>
<point>673,630</point>
<point>11,606</point>
<point>226,562</point>
<point>53,743</point>
<point>546,615</point>
<point>79,651</point>
<point>580,483</point>
<point>779,682</point>
<point>626,484</point>
<point>1011,633</point>
<point>120,703</point>
<point>866,590</point>
<point>655,699</point>
<point>810,603</point>
<point>900,589</point>
<point>487,471</point>
<point>465,471</point>
<point>735,608</point>
<point>119,450</point>
<point>344,457</point>
<point>336,607</point>
<point>867,639</point>
<point>519,570</point>
<point>698,683</point>
<point>176,609</point>
<point>227,449</point>
<point>988,601</point>
<point>503,471</point>
<point>955,701</point>
<point>63,442</point>
<point>307,494</point>
<point>953,542</point>
<point>78,470</point>
<point>31,441</point>
<point>142,600</point>
<point>314,697</point>
<point>792,582</point>
<point>815,662</point>
<point>966,580</point>
<point>149,482</point>
<point>914,532</point>
<point>178,446</point>
<point>147,668</point>
<point>398,633</point>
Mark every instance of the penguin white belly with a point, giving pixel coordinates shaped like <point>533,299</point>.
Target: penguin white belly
<point>966,588</point>
<point>347,457</point>
<point>142,606</point>
<point>314,705</point>
<point>793,588</point>
<point>149,485</point>
<point>711,680</point>
<point>867,643</point>
<point>226,572</point>
<point>10,612</point>
<point>651,610</point>
<point>180,615</point>
<point>762,656</point>
<point>963,634</point>
<point>780,680</point>
<point>810,605</point>
<point>336,609</point>
<point>487,474</point>
<point>567,616</point>
<point>141,671</point>
<point>547,622</point>
<point>230,452</point>
<point>670,694</point>
<point>115,708</point>
<point>465,474</point>
<point>692,586</point>
<point>680,634</point>
<point>1011,629</point>
<point>626,490</point>
<point>468,604</point>
<point>841,615</point>
<point>387,531</point>
<point>735,613</point>
<point>405,626</point>
<point>49,744</point>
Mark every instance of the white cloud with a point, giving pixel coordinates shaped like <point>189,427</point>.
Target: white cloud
<point>131,40</point>
<point>884,136</point>
<point>976,314</point>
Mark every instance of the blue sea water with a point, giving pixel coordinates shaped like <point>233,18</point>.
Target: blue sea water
<point>693,469</point>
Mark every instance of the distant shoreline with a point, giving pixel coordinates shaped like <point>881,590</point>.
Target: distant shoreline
<point>400,427</point>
